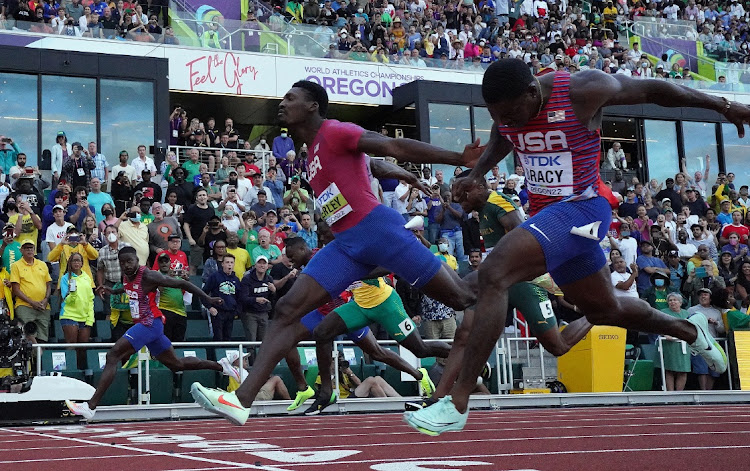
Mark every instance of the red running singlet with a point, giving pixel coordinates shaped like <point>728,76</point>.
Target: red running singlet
<point>143,307</point>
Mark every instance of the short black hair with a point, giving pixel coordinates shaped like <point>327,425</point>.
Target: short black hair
<point>127,250</point>
<point>505,79</point>
<point>317,93</point>
<point>478,180</point>
<point>293,242</point>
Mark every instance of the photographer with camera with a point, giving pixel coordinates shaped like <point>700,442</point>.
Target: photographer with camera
<point>77,307</point>
<point>351,386</point>
<point>214,230</point>
<point>27,222</point>
<point>295,191</point>
<point>77,212</point>
<point>77,170</point>
<point>8,153</point>
<point>32,286</point>
<point>72,243</point>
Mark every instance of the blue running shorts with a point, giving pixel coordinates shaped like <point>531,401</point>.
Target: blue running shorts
<point>314,318</point>
<point>379,240</point>
<point>152,337</point>
<point>569,233</point>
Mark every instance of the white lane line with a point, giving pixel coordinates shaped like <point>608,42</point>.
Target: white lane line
<point>154,452</point>
<point>541,453</point>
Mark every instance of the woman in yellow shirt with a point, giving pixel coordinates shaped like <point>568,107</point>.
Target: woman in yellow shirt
<point>73,242</point>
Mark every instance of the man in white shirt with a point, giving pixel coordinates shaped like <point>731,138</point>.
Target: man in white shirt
<point>123,167</point>
<point>143,162</point>
<point>627,245</point>
<point>251,196</point>
<point>624,282</point>
<point>400,201</point>
<point>55,234</point>
<point>518,176</point>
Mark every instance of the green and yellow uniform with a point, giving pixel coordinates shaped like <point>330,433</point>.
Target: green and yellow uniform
<point>376,301</point>
<point>531,300</point>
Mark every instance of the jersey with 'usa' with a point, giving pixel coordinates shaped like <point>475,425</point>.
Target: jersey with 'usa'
<point>559,155</point>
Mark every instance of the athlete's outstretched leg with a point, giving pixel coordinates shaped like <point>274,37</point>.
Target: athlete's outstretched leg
<point>449,289</point>
<point>371,346</point>
<point>455,359</point>
<point>121,350</point>
<point>304,296</point>
<point>415,344</point>
<point>170,360</point>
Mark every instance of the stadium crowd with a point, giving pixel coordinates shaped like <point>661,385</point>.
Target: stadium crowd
<point>681,244</point>
<point>462,35</point>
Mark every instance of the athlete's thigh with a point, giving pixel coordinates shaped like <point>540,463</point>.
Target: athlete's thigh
<point>392,315</point>
<point>535,306</point>
<point>352,315</point>
<point>592,294</point>
<point>305,295</point>
<point>332,270</point>
<point>518,256</point>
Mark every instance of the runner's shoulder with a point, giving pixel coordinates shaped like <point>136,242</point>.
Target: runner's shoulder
<point>501,201</point>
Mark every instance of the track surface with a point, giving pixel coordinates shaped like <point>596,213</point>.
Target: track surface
<point>714,437</point>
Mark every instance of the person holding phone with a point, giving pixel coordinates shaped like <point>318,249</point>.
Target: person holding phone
<point>73,242</point>
<point>26,221</point>
<point>8,153</point>
<point>77,308</point>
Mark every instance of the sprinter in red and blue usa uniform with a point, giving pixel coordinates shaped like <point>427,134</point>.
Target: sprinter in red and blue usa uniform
<point>368,234</point>
<point>552,123</point>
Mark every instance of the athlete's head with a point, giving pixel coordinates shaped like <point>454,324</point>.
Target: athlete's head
<point>470,192</point>
<point>128,259</point>
<point>164,263</point>
<point>304,99</point>
<point>297,251</point>
<point>511,92</point>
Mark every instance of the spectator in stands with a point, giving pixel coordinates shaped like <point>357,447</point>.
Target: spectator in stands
<point>134,233</point>
<point>118,172</point>
<point>742,285</point>
<point>717,330</point>
<point>77,170</point>
<point>627,245</point>
<point>450,219</point>
<point>242,260</point>
<point>274,184</point>
<point>623,279</point>
<point>263,207</point>
<point>265,249</point>
<point>255,295</point>
<point>648,265</point>
<point>284,274</point>
<point>615,158</point>
<point>177,258</point>
<point>212,232</point>
<point>629,207</point>
<point>438,321</point>
<point>148,188</point>
<point>676,355</point>
<point>78,211</point>
<point>739,251</point>
<point>57,230</point>
<point>8,153</point>
<point>703,259</point>
<point>211,265</point>
<point>282,144</point>
<point>26,221</point>
<point>171,208</point>
<point>77,307</point>
<point>251,196</point>
<point>686,249</point>
<point>32,286</point>
<point>247,233</point>
<point>727,268</point>
<point>307,232</point>
<point>97,199</point>
<point>195,224</point>
<point>108,267</point>
<point>171,300</point>
<point>224,284</point>
<point>73,242</point>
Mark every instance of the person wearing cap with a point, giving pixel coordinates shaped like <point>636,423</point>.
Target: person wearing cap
<point>702,275</point>
<point>178,258</point>
<point>146,186</point>
<point>669,192</point>
<point>61,152</point>
<point>172,300</point>
<point>262,207</point>
<point>26,220</point>
<point>699,367</point>
<point>265,249</point>
<point>695,202</point>
<point>55,234</point>
<point>77,170</point>
<point>32,286</point>
<point>724,216</point>
<point>629,207</point>
<point>648,265</point>
<point>251,196</point>
<point>255,294</point>
<point>677,268</point>
<point>282,144</point>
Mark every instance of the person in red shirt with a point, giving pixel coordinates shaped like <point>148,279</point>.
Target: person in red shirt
<point>178,258</point>
<point>736,227</point>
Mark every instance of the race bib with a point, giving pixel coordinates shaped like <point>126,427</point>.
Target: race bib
<point>333,205</point>
<point>135,312</point>
<point>175,134</point>
<point>406,327</point>
<point>81,173</point>
<point>549,174</point>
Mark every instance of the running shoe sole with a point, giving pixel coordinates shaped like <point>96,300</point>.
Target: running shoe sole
<point>204,402</point>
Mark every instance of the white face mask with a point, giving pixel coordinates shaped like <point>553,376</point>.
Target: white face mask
<point>283,134</point>
<point>360,10</point>
<point>112,237</point>
<point>443,247</point>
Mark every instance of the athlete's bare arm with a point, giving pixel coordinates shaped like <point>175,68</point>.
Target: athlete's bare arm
<point>592,89</point>
<point>382,169</point>
<point>410,150</point>
<point>153,279</point>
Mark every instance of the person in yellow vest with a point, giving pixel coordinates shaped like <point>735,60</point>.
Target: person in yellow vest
<point>11,253</point>
<point>73,242</point>
<point>444,253</point>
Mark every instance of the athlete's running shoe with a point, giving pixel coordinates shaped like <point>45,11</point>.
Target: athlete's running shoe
<point>230,370</point>
<point>300,399</point>
<point>438,418</point>
<point>706,346</point>
<point>419,404</point>
<point>220,402</point>
<point>427,385</point>
<point>320,404</point>
<point>80,408</point>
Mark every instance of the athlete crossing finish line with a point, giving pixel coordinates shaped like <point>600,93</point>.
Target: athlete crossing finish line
<point>368,234</point>
<point>552,124</point>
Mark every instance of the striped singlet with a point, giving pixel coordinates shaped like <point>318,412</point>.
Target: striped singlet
<point>559,155</point>
<point>143,307</point>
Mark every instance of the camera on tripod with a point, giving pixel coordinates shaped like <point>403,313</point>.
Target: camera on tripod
<point>15,352</point>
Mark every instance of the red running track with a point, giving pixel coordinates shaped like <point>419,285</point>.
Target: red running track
<point>711,438</point>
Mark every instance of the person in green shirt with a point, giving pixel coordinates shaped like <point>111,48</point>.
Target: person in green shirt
<point>265,248</point>
<point>172,302</point>
<point>676,351</point>
<point>11,253</point>
<point>248,235</point>
<point>192,166</point>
